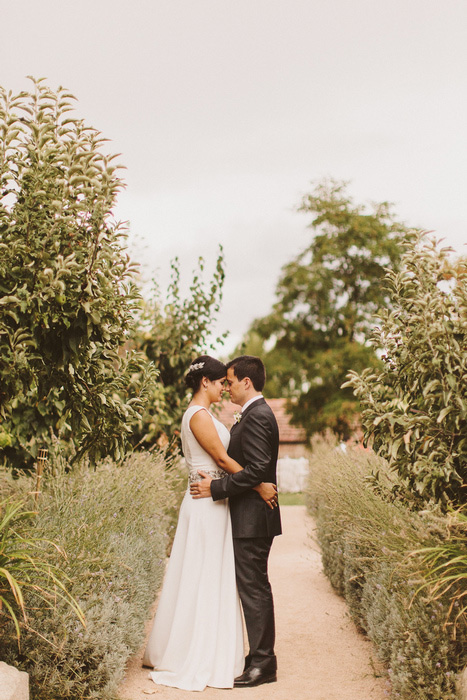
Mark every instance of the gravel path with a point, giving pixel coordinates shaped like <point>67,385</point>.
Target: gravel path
<point>320,654</point>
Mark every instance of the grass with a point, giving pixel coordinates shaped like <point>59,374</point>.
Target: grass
<point>292,499</point>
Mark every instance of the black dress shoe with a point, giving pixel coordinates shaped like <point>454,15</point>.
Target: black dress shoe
<point>254,676</point>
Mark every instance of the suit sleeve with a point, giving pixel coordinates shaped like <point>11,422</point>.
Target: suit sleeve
<point>257,450</point>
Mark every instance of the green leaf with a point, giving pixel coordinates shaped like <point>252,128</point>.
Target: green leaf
<point>444,413</point>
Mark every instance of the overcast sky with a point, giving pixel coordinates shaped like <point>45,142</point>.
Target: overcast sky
<point>225,112</point>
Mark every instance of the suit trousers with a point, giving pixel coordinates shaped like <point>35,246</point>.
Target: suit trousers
<point>251,568</point>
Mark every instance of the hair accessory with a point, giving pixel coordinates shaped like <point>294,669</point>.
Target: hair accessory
<point>198,365</point>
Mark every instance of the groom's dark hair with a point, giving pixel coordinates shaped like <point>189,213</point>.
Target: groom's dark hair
<point>251,367</point>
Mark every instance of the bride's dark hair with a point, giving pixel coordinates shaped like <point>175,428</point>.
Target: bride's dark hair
<point>204,366</point>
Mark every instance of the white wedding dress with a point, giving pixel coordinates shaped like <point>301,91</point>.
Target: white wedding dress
<point>197,636</point>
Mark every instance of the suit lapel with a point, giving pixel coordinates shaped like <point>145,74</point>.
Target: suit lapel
<point>252,405</point>
<point>235,426</point>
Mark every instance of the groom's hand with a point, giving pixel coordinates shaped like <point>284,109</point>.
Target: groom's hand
<point>201,489</point>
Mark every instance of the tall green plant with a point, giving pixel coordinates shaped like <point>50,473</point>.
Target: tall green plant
<point>172,330</point>
<point>24,566</point>
<point>415,406</point>
<point>443,568</point>
<point>67,295</point>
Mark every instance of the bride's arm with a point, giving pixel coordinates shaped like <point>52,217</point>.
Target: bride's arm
<point>206,434</point>
<point>204,430</point>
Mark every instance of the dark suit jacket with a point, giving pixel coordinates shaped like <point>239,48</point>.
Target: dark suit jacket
<point>254,443</point>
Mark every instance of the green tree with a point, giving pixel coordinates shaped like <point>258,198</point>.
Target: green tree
<point>66,284</point>
<point>415,405</point>
<point>172,331</point>
<point>326,301</point>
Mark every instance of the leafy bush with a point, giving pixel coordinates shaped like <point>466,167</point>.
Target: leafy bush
<point>112,522</point>
<point>415,407</point>
<point>66,285</point>
<point>368,539</point>
<point>171,333</point>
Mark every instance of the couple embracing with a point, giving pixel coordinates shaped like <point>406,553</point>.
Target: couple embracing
<point>227,522</point>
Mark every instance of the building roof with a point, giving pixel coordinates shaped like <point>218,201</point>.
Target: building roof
<point>287,433</point>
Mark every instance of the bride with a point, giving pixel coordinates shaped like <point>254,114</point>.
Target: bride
<point>197,636</point>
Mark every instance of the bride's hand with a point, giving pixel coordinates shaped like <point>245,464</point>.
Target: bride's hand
<point>268,493</point>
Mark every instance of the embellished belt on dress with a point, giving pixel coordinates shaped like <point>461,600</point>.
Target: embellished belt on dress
<point>193,476</point>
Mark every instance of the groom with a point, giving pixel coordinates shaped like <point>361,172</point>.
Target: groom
<point>254,444</point>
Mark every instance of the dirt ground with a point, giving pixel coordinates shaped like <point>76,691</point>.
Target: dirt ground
<point>321,656</point>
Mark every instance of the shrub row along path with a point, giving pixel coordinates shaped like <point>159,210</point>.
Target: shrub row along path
<point>320,653</point>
